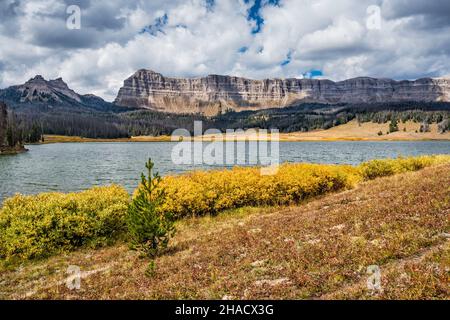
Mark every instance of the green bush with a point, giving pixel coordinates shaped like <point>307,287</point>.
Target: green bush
<point>41,225</point>
<point>149,229</point>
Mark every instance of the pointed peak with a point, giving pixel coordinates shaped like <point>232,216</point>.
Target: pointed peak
<point>37,77</point>
<point>58,81</point>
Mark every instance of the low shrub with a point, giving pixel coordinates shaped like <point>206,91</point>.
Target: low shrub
<point>201,193</point>
<point>208,192</point>
<point>45,224</point>
<point>381,168</point>
<point>40,225</point>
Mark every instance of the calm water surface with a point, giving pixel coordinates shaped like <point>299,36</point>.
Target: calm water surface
<point>77,166</point>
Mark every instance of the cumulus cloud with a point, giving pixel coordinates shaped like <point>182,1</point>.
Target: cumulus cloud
<point>285,38</point>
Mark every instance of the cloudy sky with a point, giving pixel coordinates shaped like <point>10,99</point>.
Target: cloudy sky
<point>335,39</point>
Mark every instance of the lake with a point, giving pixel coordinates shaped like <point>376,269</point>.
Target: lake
<point>77,166</point>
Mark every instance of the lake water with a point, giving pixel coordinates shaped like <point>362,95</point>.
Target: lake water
<point>77,166</point>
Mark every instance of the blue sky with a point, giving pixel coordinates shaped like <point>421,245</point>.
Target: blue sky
<point>250,38</point>
<point>254,12</point>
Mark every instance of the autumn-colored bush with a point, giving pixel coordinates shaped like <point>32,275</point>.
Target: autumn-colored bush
<point>48,223</point>
<point>386,167</point>
<point>208,192</point>
<point>41,225</point>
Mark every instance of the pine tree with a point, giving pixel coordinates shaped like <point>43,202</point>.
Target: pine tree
<point>393,126</point>
<point>149,229</point>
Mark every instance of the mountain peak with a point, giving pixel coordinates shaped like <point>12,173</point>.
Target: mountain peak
<point>37,89</point>
<point>59,83</point>
<point>36,78</point>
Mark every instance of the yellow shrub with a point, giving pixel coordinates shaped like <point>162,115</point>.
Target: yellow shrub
<point>40,225</point>
<point>208,192</point>
<point>44,224</point>
<point>380,168</point>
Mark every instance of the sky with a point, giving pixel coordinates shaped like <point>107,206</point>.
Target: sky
<point>333,39</point>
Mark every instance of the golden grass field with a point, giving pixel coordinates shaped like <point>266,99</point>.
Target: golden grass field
<point>62,139</point>
<point>369,131</point>
<point>351,131</point>
<point>318,250</point>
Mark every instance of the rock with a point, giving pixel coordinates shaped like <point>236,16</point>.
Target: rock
<point>216,93</point>
<point>445,235</point>
<point>313,241</point>
<point>338,227</point>
<point>258,263</point>
<point>272,283</point>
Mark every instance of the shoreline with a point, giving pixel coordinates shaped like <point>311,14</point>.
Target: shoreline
<point>13,151</point>
<point>70,139</point>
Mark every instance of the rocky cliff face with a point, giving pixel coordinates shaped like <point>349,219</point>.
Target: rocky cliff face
<point>215,93</point>
<point>38,89</point>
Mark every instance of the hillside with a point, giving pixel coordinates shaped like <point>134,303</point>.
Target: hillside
<point>351,131</point>
<point>368,131</point>
<point>314,251</point>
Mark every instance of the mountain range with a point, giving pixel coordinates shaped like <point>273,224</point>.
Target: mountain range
<point>215,94</point>
<point>151,104</point>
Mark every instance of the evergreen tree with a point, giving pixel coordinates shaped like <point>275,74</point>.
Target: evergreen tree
<point>149,229</point>
<point>393,126</point>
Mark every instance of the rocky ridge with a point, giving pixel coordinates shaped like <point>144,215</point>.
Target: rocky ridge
<point>216,93</point>
<point>38,91</point>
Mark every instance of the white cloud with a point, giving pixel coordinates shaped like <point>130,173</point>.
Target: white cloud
<point>297,36</point>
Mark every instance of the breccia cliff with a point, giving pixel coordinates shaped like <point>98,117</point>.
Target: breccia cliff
<point>216,93</point>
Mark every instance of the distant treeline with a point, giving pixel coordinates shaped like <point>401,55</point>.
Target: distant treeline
<point>30,125</point>
<point>309,117</point>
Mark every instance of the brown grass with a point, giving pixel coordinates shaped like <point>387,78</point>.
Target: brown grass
<point>368,131</point>
<point>63,139</point>
<point>319,250</point>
